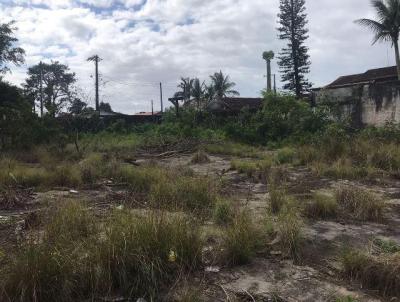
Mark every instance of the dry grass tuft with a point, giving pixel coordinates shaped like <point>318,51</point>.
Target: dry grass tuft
<point>374,272</point>
<point>241,239</point>
<point>321,206</point>
<point>289,229</point>
<point>361,204</point>
<point>200,157</point>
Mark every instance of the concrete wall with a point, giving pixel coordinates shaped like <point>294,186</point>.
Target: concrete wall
<point>365,104</point>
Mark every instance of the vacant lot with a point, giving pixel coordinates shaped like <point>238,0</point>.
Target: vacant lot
<point>198,222</point>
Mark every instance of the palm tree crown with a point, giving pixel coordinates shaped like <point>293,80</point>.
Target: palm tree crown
<point>222,86</point>
<point>387,26</point>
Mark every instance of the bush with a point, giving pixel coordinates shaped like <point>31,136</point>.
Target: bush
<point>286,155</point>
<point>362,204</point>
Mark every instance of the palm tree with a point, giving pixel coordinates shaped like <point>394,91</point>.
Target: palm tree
<point>268,56</point>
<point>198,92</point>
<point>387,27</point>
<point>222,85</point>
<point>186,85</point>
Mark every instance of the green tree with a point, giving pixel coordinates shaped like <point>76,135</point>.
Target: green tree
<point>387,25</point>
<point>77,106</point>
<point>222,86</point>
<point>198,93</point>
<point>57,81</point>
<point>186,85</point>
<point>105,107</point>
<point>294,61</point>
<point>9,53</point>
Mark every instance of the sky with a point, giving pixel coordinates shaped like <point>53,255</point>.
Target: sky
<point>145,42</point>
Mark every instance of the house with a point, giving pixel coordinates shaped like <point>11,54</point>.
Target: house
<point>233,105</point>
<point>370,98</point>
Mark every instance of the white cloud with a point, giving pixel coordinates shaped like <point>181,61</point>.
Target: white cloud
<point>145,42</point>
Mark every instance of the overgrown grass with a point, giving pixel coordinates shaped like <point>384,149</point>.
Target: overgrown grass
<point>258,170</point>
<point>386,246</point>
<point>289,228</point>
<point>321,206</point>
<point>374,272</point>
<point>81,258</point>
<point>277,199</point>
<point>360,203</point>
<point>234,149</point>
<point>241,239</point>
<point>223,212</point>
<point>187,193</point>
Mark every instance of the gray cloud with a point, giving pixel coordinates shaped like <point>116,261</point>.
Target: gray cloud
<point>160,40</point>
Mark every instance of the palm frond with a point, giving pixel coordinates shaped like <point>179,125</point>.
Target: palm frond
<point>381,32</point>
<point>381,9</point>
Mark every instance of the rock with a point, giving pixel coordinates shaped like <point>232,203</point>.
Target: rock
<point>73,192</point>
<point>212,269</point>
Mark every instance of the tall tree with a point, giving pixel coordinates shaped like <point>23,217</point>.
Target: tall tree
<point>57,81</point>
<point>105,107</point>
<point>222,86</point>
<point>197,92</point>
<point>294,61</point>
<point>387,25</point>
<point>9,53</point>
<point>186,85</point>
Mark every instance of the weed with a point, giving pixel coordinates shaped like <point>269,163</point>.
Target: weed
<point>386,246</point>
<point>363,204</point>
<point>187,193</point>
<point>321,206</point>
<point>65,176</point>
<point>286,155</point>
<point>234,149</point>
<point>289,226</point>
<point>277,199</point>
<point>223,213</point>
<point>374,272</point>
<point>241,239</point>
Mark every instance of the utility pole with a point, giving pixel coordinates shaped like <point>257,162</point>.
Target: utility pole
<point>152,108</point>
<point>275,83</point>
<point>161,98</point>
<point>96,59</point>
<point>41,88</point>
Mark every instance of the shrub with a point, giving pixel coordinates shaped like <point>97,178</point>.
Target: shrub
<point>241,239</point>
<point>247,167</point>
<point>223,213</point>
<point>362,204</point>
<point>200,157</point>
<point>321,206</point>
<point>374,272</point>
<point>92,168</point>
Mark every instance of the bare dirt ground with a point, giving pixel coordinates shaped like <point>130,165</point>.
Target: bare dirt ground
<point>269,277</point>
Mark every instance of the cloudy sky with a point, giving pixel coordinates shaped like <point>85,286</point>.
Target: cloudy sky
<point>144,42</point>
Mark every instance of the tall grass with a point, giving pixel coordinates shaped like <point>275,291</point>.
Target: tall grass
<point>82,258</point>
<point>360,203</point>
<point>321,206</point>
<point>374,272</point>
<point>241,239</point>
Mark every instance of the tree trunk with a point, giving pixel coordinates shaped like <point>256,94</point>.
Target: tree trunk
<point>396,48</point>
